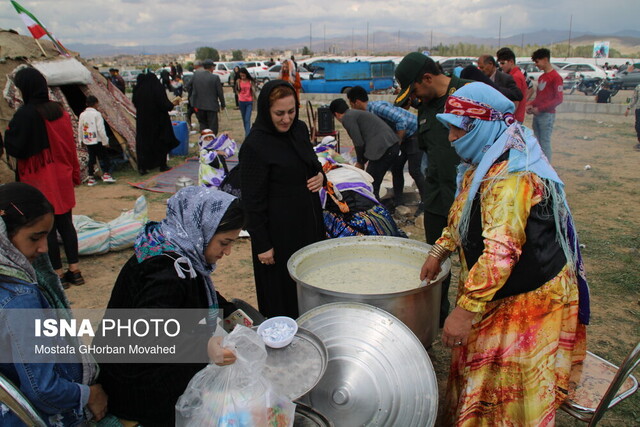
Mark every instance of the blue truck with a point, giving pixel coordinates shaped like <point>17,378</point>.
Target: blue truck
<point>339,77</point>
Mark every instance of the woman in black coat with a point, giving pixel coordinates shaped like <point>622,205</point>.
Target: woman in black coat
<point>170,270</point>
<point>280,178</point>
<point>154,133</point>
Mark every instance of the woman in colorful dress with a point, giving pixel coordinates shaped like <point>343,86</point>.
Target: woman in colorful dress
<point>349,206</point>
<point>523,302</point>
<point>213,152</point>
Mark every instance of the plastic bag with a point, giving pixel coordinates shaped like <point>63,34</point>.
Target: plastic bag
<point>97,237</point>
<point>236,395</point>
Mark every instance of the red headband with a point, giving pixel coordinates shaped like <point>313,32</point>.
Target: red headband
<point>476,110</point>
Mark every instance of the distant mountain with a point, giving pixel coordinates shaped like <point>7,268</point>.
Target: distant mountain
<point>91,50</point>
<point>378,42</point>
<point>628,33</point>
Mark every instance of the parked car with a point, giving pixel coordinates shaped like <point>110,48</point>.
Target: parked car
<point>339,77</point>
<point>258,69</point>
<point>533,72</point>
<point>448,65</point>
<point>274,72</point>
<point>570,73</point>
<point>587,70</point>
<point>629,79</point>
<point>130,76</point>
<point>224,70</point>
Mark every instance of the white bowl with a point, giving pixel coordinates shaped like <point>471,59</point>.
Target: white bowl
<point>269,323</point>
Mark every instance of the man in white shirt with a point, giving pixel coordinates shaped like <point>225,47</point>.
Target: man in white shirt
<point>92,134</point>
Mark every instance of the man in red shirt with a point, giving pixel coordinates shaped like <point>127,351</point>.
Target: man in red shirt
<point>548,97</point>
<point>507,61</point>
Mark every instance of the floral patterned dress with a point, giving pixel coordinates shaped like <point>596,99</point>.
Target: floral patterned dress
<point>212,172</point>
<point>515,368</point>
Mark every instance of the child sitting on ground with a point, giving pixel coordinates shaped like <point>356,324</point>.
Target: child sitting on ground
<point>92,134</point>
<point>213,152</point>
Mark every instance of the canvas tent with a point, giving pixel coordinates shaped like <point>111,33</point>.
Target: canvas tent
<point>70,81</point>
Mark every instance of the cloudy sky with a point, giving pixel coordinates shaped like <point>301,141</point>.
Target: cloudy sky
<point>166,22</point>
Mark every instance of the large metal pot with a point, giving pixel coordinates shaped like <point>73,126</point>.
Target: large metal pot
<point>417,308</point>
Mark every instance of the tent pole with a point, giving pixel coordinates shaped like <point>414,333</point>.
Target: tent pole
<point>125,148</point>
<point>40,46</point>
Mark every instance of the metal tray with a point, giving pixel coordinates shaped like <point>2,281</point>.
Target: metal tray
<point>295,369</point>
<point>379,374</point>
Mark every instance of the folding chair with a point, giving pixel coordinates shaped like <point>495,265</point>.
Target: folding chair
<point>12,397</point>
<point>597,385</point>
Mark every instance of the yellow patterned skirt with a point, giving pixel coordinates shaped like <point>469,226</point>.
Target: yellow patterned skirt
<point>515,369</point>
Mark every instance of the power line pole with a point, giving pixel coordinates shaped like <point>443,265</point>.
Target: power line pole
<point>367,37</point>
<point>500,33</point>
<point>310,37</point>
<point>324,38</point>
<point>431,44</point>
<point>570,24</point>
<point>352,31</point>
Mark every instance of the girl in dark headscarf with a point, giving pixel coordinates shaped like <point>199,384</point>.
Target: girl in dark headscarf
<point>280,176</point>
<point>40,136</point>
<point>154,133</point>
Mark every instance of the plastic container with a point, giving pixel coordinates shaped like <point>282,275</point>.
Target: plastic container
<point>269,323</point>
<point>181,132</point>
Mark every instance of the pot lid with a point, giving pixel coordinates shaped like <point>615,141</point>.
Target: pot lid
<point>296,368</point>
<point>308,417</point>
<point>378,374</point>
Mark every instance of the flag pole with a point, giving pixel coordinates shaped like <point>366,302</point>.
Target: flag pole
<point>40,46</point>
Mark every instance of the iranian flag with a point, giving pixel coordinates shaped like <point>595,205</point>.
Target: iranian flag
<point>35,27</point>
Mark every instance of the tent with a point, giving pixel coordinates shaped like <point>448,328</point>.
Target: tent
<point>70,81</point>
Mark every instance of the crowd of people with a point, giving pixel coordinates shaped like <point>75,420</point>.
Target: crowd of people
<point>489,193</point>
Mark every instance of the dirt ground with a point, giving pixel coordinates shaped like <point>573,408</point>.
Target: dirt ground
<point>604,199</point>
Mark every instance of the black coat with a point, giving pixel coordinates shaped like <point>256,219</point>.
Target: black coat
<point>147,393</point>
<point>282,213</point>
<point>154,133</point>
<point>503,82</point>
<point>507,86</point>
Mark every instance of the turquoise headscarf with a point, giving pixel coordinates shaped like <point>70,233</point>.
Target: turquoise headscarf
<point>487,117</point>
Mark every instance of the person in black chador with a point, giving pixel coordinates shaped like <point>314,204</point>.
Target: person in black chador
<point>280,178</point>
<point>154,134</point>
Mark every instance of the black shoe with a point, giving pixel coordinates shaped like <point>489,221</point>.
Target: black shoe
<point>74,278</point>
<point>164,168</point>
<point>143,171</point>
<point>63,282</point>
